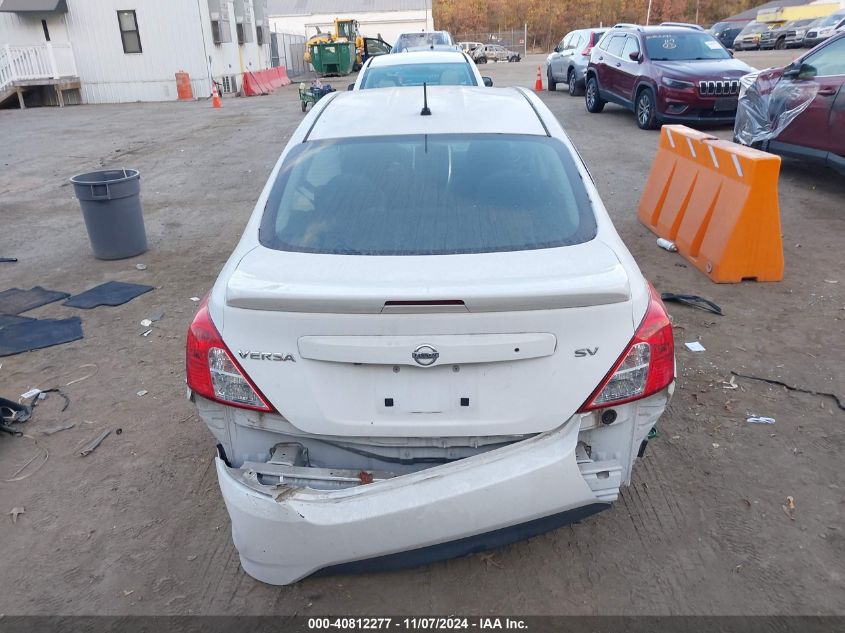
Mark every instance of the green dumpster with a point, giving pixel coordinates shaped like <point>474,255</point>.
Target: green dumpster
<point>333,58</point>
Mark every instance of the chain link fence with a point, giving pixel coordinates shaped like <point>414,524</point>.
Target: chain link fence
<point>288,50</point>
<point>514,39</point>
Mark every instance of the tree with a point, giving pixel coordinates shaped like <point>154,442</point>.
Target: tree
<point>549,20</point>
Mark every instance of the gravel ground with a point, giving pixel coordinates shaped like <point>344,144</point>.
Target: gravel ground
<point>139,527</point>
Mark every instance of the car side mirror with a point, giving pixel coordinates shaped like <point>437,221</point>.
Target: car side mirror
<point>635,56</point>
<point>807,71</point>
<point>804,71</point>
<point>351,86</point>
<point>488,81</point>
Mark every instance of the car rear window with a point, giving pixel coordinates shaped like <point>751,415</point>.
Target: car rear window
<point>388,76</point>
<point>427,195</point>
<point>419,40</point>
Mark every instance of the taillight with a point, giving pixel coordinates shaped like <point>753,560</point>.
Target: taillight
<point>211,370</point>
<point>645,367</point>
<point>586,52</point>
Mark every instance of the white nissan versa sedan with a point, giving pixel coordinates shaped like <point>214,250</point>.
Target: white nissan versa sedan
<point>429,341</point>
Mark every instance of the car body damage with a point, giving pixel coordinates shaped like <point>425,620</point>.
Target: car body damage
<point>450,353</point>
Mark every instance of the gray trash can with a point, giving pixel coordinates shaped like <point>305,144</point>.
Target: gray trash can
<point>111,206</point>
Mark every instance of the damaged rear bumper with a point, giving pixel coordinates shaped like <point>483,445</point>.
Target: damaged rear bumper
<point>286,531</point>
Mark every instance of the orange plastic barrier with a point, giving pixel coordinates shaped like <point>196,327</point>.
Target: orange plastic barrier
<point>262,82</point>
<point>718,201</point>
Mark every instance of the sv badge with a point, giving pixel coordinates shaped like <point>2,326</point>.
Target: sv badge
<point>585,351</point>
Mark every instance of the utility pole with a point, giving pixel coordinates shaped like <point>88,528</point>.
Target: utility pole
<point>648,13</point>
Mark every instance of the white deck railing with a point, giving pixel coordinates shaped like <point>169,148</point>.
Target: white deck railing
<point>39,61</point>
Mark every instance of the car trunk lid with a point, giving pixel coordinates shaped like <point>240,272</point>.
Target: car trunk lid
<point>491,344</point>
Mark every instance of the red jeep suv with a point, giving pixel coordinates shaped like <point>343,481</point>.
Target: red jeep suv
<point>664,74</point>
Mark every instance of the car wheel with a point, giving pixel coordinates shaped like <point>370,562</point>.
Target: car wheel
<point>646,110</point>
<point>550,82</point>
<point>481,60</point>
<point>572,83</point>
<point>593,101</point>
<point>304,105</point>
<point>780,44</point>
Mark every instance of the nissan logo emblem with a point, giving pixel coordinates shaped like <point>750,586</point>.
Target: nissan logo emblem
<point>425,355</point>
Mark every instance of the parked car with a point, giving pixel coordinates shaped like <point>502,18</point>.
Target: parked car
<point>816,81</point>
<point>450,68</point>
<point>421,40</point>
<point>664,74</point>
<point>749,36</point>
<point>568,63</point>
<point>795,36</point>
<point>726,32</point>
<point>429,341</point>
<point>494,53</point>
<point>785,35</point>
<point>824,29</point>
<point>468,47</point>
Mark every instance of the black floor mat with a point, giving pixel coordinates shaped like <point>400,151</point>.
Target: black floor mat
<point>16,300</point>
<point>38,333</point>
<point>111,293</point>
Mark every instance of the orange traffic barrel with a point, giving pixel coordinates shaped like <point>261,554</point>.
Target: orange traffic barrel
<point>183,86</point>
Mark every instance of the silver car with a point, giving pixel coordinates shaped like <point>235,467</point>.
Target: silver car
<point>568,63</point>
<point>494,53</point>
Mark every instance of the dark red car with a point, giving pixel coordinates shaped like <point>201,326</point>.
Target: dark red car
<point>664,74</point>
<point>799,110</point>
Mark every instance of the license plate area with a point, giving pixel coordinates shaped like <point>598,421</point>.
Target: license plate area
<point>725,104</point>
<point>447,390</point>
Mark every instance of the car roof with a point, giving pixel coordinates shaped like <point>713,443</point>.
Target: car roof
<point>443,48</point>
<point>454,109</point>
<point>426,56</point>
<point>653,30</point>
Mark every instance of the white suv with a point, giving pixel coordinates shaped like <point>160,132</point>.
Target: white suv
<point>430,339</point>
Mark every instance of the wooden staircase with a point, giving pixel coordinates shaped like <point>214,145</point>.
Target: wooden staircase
<point>27,68</point>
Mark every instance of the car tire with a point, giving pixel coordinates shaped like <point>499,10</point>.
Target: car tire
<point>481,60</point>
<point>780,44</point>
<point>592,100</point>
<point>572,83</point>
<point>646,110</point>
<point>550,82</point>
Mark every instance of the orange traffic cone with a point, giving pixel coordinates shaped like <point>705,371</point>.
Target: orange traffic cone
<point>538,85</point>
<point>215,98</point>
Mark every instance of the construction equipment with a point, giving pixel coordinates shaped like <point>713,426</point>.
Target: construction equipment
<point>337,53</point>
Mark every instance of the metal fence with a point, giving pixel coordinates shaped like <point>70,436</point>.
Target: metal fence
<point>287,49</point>
<point>514,39</point>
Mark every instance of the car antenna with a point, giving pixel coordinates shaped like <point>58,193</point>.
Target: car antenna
<point>425,111</point>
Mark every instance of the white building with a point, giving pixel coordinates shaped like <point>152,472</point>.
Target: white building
<point>387,18</point>
<point>110,51</point>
